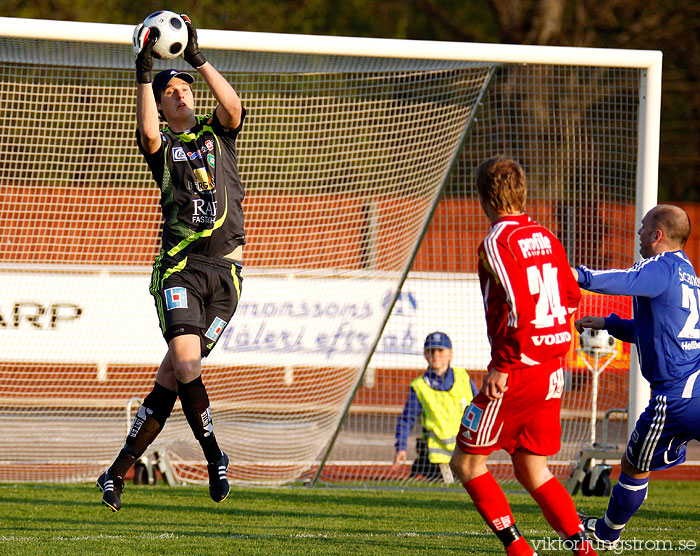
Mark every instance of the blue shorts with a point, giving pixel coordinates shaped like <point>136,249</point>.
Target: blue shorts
<point>662,432</point>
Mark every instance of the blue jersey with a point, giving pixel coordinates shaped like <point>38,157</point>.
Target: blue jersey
<point>665,327</point>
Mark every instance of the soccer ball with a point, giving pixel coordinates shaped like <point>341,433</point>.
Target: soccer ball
<point>173,34</point>
<point>596,341</point>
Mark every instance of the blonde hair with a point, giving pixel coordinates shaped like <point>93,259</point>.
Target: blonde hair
<point>501,183</point>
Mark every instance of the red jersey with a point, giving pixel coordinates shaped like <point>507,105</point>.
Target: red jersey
<point>529,294</point>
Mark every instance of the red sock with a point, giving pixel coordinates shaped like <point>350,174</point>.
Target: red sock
<point>558,508</point>
<point>490,501</point>
<point>493,507</point>
<point>519,548</point>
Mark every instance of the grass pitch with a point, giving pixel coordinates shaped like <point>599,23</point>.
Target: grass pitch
<point>68,520</point>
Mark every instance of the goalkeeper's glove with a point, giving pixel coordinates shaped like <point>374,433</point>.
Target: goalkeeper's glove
<point>144,39</point>
<point>192,54</point>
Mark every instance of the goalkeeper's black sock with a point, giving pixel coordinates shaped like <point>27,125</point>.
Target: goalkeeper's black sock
<point>122,464</point>
<point>148,422</point>
<point>195,406</point>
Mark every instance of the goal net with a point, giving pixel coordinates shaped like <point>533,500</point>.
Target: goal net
<point>362,226</point>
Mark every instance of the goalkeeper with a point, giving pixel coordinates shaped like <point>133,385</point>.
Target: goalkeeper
<point>196,280</point>
<point>438,398</point>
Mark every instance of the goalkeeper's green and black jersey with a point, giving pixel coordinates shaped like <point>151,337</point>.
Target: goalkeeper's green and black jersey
<point>201,190</point>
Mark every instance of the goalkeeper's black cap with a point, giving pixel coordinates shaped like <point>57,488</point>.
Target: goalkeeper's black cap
<point>164,77</point>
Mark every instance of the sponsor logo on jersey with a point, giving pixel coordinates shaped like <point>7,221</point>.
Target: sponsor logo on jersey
<point>689,278</point>
<point>204,211</point>
<point>175,298</point>
<point>471,417</point>
<point>552,339</point>
<point>211,159</point>
<point>538,244</point>
<point>216,328</point>
<point>693,344</point>
<point>201,186</point>
<point>179,154</point>
<point>204,181</point>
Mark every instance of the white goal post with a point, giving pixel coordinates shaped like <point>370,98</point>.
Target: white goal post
<point>358,157</point>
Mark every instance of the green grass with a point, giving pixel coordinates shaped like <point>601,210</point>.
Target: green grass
<point>67,520</point>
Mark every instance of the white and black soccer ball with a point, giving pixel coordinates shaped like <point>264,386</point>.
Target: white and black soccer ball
<point>172,38</point>
<point>596,341</point>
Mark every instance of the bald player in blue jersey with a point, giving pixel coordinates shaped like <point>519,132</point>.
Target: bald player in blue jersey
<point>666,332</point>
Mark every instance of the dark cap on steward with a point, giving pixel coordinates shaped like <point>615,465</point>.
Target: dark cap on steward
<point>166,76</point>
<point>437,340</point>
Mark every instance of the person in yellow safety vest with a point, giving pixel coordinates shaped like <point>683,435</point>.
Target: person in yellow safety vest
<point>438,398</point>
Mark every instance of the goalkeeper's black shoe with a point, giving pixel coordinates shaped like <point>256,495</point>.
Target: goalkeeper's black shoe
<point>111,488</point>
<point>218,483</point>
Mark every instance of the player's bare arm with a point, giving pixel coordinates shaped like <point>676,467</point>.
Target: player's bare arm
<point>229,109</point>
<point>147,117</point>
<point>596,323</point>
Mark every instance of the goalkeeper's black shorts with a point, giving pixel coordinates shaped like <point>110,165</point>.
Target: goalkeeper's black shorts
<point>198,297</point>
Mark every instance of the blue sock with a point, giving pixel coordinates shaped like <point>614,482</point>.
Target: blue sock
<point>627,497</point>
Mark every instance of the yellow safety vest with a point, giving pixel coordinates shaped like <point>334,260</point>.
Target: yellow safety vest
<point>442,413</point>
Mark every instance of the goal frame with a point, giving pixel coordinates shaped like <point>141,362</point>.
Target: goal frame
<point>648,61</point>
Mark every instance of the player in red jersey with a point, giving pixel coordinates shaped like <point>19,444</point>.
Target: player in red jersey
<point>529,296</point>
